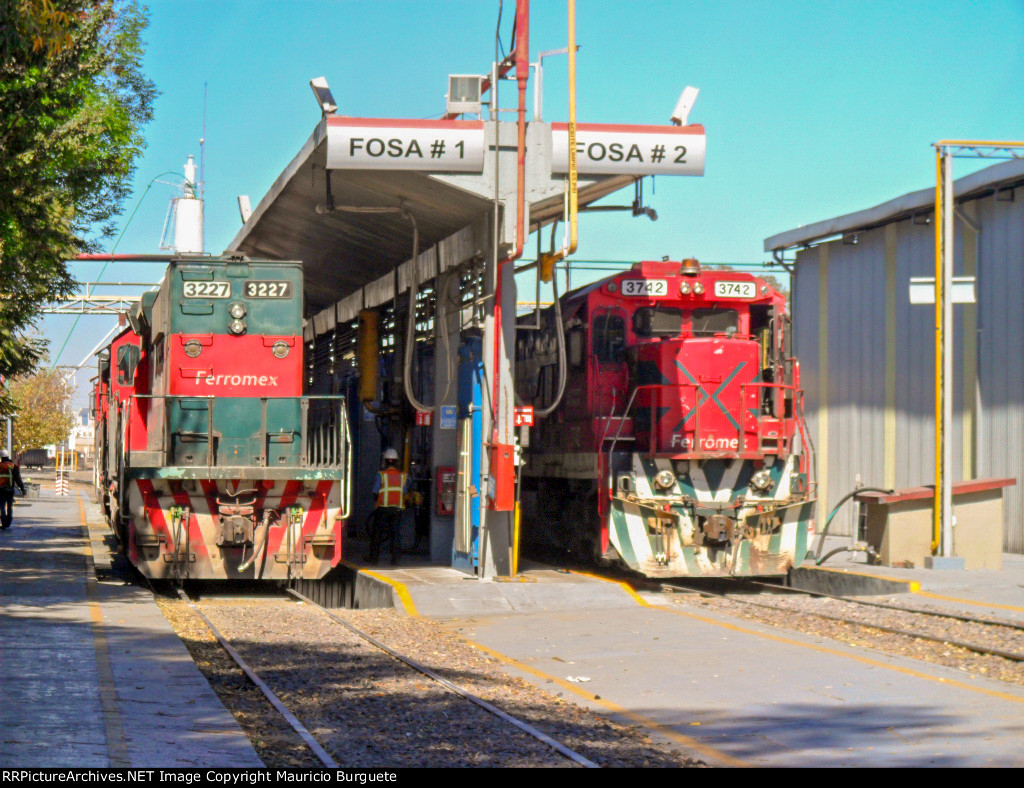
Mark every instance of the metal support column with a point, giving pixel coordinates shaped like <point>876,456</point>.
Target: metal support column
<point>944,245</point>
<point>945,152</point>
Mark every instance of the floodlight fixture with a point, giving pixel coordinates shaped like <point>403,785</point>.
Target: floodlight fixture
<point>681,114</point>
<point>465,92</point>
<point>244,207</point>
<point>323,95</point>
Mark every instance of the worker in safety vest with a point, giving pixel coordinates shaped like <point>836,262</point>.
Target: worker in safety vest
<point>389,487</point>
<point>9,476</point>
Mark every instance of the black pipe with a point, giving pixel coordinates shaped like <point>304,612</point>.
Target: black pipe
<point>855,549</point>
<point>844,499</point>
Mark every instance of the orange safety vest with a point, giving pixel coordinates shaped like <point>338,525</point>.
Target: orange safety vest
<point>392,485</point>
<point>6,473</point>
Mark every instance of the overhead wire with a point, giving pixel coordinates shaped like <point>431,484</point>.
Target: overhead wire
<point>113,249</point>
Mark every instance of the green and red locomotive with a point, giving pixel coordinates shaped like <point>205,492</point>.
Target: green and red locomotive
<point>211,463</point>
<point>679,446</point>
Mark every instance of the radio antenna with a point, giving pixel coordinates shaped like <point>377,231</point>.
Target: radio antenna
<point>202,150</point>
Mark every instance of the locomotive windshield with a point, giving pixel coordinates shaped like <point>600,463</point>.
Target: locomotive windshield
<point>658,321</point>
<point>708,322</point>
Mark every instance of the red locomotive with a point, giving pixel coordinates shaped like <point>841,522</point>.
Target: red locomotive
<point>679,446</point>
<point>211,464</point>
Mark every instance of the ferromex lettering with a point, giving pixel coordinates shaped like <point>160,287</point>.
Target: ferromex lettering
<point>236,380</point>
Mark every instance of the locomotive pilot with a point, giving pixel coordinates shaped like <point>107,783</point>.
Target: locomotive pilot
<point>9,477</point>
<point>390,488</point>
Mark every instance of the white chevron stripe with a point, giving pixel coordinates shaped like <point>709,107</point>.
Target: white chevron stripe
<point>724,492</point>
<point>643,484</point>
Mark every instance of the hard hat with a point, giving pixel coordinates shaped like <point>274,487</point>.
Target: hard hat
<point>390,454</point>
<point>4,454</point>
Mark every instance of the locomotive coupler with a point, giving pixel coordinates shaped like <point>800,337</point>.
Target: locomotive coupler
<point>236,520</point>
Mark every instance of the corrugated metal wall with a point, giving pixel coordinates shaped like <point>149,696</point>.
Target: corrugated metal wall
<point>853,406</point>
<point>1000,359</point>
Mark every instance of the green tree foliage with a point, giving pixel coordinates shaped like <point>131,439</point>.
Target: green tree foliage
<point>73,100</point>
<point>42,406</point>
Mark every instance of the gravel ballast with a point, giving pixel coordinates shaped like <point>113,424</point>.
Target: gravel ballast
<point>367,709</point>
<point>799,615</point>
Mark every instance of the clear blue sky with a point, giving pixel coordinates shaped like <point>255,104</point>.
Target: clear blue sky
<point>812,108</point>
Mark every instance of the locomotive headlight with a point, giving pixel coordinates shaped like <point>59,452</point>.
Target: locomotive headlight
<point>665,479</point>
<point>237,311</point>
<point>193,348</point>
<point>761,481</point>
<point>236,327</point>
<point>698,288</point>
<point>281,349</point>
<point>684,288</point>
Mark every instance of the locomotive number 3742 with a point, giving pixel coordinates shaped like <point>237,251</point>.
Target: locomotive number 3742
<point>645,287</point>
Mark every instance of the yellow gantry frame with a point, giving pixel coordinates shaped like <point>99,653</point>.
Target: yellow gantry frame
<point>944,184</point>
<point>548,260</point>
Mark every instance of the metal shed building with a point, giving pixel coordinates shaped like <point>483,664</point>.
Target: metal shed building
<point>867,355</point>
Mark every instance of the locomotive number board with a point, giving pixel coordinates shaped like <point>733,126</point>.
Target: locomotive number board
<point>650,288</point>
<point>261,288</point>
<point>207,290</point>
<point>735,289</point>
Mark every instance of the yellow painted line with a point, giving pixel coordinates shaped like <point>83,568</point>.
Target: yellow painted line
<point>622,584</point>
<point>685,741</point>
<point>825,650</point>
<point>836,652</point>
<point>977,602</point>
<point>913,586</point>
<point>117,749</point>
<point>400,588</point>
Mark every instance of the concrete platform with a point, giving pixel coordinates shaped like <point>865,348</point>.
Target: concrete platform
<point>995,592</point>
<point>91,673</point>
<point>442,592</point>
<point>738,693</point>
<point>420,588</point>
<point>732,692</point>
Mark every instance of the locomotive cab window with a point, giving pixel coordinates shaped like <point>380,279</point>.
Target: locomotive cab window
<point>610,338</point>
<point>127,363</point>
<point>709,322</point>
<point>654,321</point>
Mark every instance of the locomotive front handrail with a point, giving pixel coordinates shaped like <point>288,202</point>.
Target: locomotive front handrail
<point>656,393</point>
<point>330,446</point>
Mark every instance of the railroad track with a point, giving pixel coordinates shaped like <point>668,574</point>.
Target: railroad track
<point>998,632</point>
<point>307,737</point>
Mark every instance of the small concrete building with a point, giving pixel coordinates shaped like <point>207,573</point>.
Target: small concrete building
<point>868,356</point>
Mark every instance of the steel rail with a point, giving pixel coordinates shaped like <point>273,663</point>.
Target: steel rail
<point>297,726</point>
<point>526,728</point>
<point>855,601</point>
<point>1009,655</point>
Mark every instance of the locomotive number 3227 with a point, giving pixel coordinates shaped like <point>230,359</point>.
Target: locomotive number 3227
<point>267,289</point>
<point>207,290</point>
